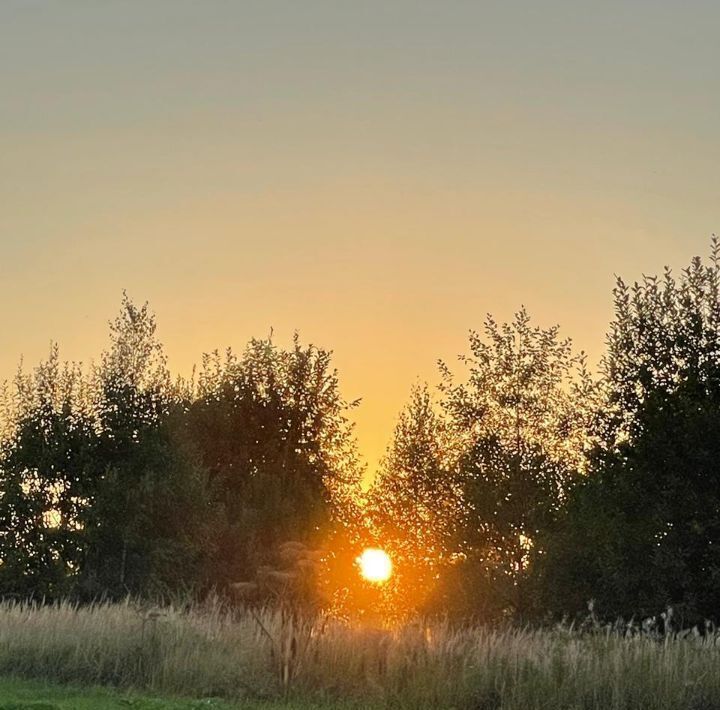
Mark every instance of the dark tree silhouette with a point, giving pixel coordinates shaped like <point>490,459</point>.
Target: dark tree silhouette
<point>644,530</point>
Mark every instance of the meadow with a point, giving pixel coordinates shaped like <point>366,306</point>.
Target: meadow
<point>211,656</point>
<point>33,695</point>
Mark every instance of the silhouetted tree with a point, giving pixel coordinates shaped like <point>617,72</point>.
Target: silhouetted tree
<point>414,506</point>
<point>644,531</point>
<point>148,525</point>
<point>47,473</point>
<point>272,430</point>
<point>521,420</point>
<point>414,498</point>
<point>98,495</point>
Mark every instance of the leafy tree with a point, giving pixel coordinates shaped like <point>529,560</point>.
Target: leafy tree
<point>46,469</point>
<point>414,504</point>
<point>149,528</point>
<point>272,430</point>
<point>99,494</point>
<point>114,480</point>
<point>521,419</point>
<point>149,519</point>
<point>643,532</point>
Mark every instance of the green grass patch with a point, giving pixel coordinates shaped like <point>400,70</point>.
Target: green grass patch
<point>16,694</point>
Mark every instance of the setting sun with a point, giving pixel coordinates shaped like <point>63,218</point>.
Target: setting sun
<point>375,565</point>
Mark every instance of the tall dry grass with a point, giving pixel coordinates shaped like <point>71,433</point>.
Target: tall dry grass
<point>212,651</point>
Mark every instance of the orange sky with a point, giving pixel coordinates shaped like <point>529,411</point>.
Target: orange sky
<point>376,175</point>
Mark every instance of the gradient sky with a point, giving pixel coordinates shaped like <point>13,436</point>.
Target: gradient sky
<point>378,175</point>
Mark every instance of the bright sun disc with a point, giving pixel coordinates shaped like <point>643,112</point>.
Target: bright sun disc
<point>375,565</point>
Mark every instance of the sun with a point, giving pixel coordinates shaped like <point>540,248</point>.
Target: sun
<point>375,565</point>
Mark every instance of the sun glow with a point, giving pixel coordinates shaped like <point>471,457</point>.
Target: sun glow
<point>375,565</point>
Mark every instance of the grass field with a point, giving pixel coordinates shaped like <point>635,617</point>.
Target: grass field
<point>23,695</point>
<point>18,694</point>
<point>211,657</point>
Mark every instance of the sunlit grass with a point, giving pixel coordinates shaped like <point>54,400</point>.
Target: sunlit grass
<point>209,651</point>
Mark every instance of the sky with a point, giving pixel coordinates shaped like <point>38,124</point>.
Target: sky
<point>378,175</point>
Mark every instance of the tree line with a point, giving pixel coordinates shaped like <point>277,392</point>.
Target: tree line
<point>522,487</point>
<point>540,488</point>
<point>116,479</point>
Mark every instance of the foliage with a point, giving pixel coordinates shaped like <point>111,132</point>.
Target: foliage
<point>414,504</point>
<point>415,494</point>
<point>528,488</point>
<point>148,524</point>
<point>272,431</point>
<point>665,336</point>
<point>116,481</point>
<point>522,422</point>
<point>643,532</point>
<point>47,475</point>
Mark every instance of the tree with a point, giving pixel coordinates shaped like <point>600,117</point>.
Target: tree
<point>414,504</point>
<point>664,336</point>
<point>149,518</point>
<point>99,493</point>
<point>114,480</point>
<point>642,533</point>
<point>521,420</point>
<point>272,430</point>
<point>46,474</point>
